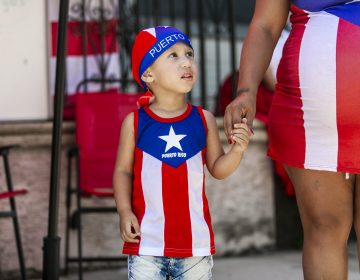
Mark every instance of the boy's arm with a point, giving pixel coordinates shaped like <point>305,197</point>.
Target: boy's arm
<point>122,181</point>
<point>219,164</point>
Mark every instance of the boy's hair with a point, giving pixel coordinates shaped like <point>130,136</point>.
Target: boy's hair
<point>149,44</point>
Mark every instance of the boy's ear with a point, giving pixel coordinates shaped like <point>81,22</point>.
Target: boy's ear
<point>147,77</point>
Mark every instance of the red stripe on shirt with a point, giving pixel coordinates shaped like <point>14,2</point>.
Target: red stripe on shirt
<point>94,39</point>
<point>177,232</point>
<point>348,95</point>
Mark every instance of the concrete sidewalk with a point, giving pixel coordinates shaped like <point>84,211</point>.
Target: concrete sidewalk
<point>269,266</point>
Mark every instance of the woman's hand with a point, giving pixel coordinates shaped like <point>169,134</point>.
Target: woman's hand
<point>243,106</point>
<point>264,31</point>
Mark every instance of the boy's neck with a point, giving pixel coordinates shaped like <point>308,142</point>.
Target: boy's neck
<point>168,107</point>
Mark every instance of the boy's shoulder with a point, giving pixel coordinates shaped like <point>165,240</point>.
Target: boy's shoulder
<point>209,119</point>
<point>207,114</point>
<point>129,116</point>
<point>129,120</point>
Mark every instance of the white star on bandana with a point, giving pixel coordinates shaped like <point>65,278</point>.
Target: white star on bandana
<point>172,140</point>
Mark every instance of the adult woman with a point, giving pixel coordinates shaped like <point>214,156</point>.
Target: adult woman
<point>314,127</point>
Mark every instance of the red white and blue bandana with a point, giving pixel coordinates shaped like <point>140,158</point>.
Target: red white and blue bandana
<point>149,44</point>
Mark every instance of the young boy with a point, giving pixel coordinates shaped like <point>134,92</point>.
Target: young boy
<point>159,173</point>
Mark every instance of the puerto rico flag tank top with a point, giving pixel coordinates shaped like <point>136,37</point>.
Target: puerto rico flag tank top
<point>168,195</point>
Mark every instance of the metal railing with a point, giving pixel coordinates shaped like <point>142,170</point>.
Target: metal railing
<point>216,29</point>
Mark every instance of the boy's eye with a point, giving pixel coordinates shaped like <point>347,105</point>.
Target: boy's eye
<point>173,55</point>
<point>190,53</point>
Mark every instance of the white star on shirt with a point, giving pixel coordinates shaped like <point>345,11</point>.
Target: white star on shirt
<point>172,140</point>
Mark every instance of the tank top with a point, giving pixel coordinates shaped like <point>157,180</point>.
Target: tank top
<point>168,195</point>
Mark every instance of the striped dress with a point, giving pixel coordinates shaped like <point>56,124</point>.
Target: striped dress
<point>168,196</point>
<point>314,121</point>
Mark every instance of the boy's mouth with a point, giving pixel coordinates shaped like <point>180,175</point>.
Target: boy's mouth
<point>187,76</point>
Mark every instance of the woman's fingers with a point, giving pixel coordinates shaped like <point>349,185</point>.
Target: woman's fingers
<point>228,122</point>
<point>240,110</point>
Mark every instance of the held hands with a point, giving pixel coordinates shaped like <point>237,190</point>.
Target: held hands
<point>129,227</point>
<point>240,136</point>
<point>243,106</point>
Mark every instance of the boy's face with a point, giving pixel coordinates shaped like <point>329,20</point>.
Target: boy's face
<point>174,71</point>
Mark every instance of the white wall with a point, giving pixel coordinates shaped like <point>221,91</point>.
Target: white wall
<point>23,60</point>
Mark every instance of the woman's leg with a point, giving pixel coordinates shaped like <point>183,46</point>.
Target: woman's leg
<point>325,201</point>
<point>357,213</point>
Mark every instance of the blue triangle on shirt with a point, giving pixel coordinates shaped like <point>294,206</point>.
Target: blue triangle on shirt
<point>172,143</point>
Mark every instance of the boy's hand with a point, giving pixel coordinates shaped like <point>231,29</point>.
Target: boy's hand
<point>129,227</point>
<point>240,135</point>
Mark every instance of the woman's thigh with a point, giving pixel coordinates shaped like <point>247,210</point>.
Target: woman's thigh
<point>324,198</point>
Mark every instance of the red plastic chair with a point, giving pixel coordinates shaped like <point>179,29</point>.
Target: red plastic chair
<point>98,121</point>
<point>12,213</point>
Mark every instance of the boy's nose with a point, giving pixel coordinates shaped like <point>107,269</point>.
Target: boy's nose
<point>186,61</point>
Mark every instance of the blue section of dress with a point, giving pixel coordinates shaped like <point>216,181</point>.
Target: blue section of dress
<point>346,10</point>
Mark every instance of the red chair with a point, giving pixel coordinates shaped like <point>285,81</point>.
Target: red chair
<point>12,213</point>
<point>98,122</point>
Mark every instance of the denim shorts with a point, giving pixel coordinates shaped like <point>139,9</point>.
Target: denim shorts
<point>165,268</point>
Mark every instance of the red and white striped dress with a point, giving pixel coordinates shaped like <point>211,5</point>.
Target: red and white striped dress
<point>168,195</point>
<point>314,121</point>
